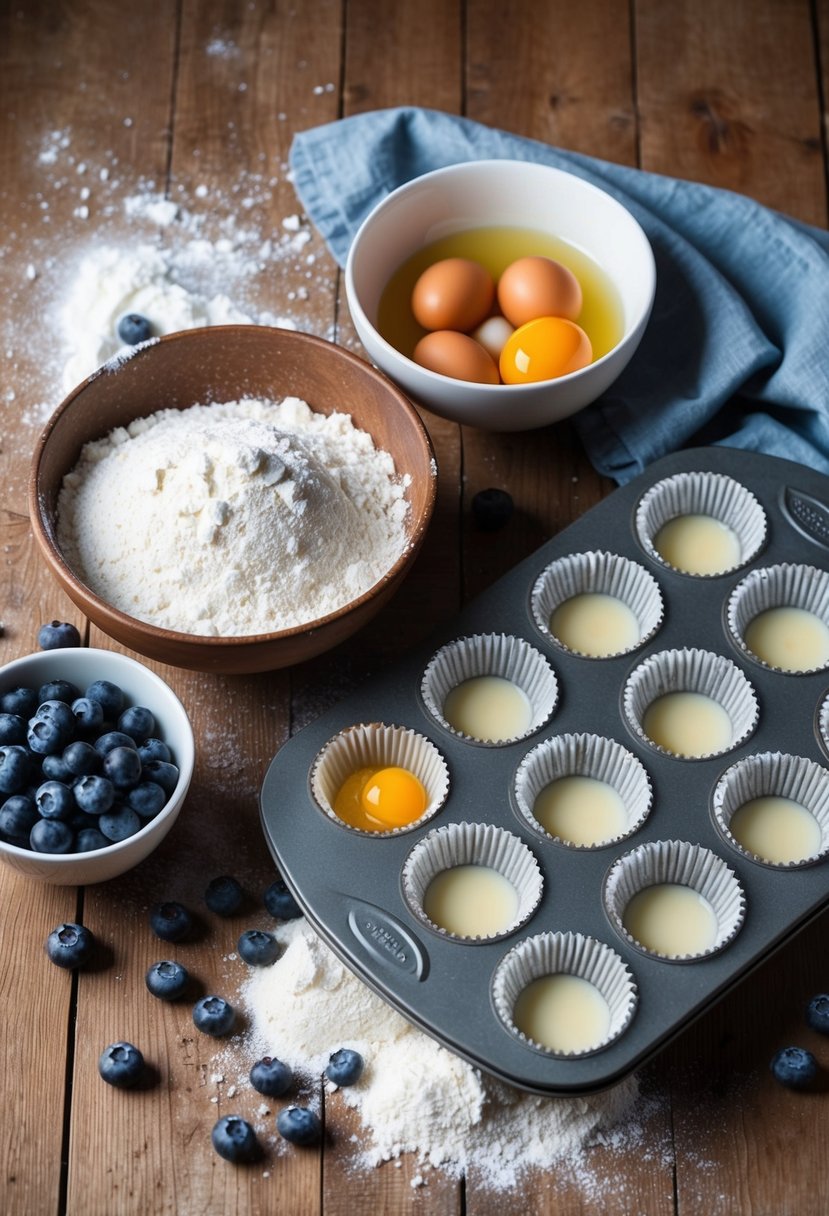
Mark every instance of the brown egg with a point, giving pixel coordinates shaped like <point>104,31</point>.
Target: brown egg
<point>454,354</point>
<point>455,293</point>
<point>538,287</point>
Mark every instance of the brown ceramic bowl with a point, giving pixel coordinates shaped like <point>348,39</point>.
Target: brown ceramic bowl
<point>223,363</point>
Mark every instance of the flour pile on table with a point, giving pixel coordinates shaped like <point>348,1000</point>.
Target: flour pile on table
<point>414,1096</point>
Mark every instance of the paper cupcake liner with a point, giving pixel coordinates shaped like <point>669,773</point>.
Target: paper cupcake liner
<point>783,586</point>
<point>685,864</point>
<point>700,493</point>
<point>779,775</point>
<point>691,670</point>
<point>368,744</point>
<point>480,844</point>
<point>598,573</point>
<point>493,654</point>
<point>565,954</point>
<point>584,755</point>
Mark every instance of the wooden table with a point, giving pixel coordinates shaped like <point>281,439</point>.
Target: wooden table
<point>202,97</point>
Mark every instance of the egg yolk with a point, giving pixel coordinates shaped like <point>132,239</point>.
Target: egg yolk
<point>395,796</point>
<point>544,349</point>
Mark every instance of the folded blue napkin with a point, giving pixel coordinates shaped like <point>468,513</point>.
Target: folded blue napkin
<point>737,348</point>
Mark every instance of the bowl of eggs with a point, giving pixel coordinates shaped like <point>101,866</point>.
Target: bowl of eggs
<point>501,294</point>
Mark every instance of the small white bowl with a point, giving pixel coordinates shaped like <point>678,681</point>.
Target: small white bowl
<point>501,193</point>
<point>80,666</point>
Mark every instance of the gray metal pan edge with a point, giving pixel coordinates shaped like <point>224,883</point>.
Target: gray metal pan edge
<point>349,884</point>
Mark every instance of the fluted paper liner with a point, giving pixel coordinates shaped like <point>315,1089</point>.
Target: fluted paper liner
<point>691,670</point>
<point>598,573</point>
<point>374,743</point>
<point>784,586</point>
<point>689,865</point>
<point>584,755</point>
<point>774,774</point>
<point>491,654</point>
<point>565,954</point>
<point>483,844</point>
<point>701,493</point>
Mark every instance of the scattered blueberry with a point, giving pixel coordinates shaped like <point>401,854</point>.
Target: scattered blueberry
<point>171,921</point>
<point>81,758</point>
<point>224,895</point>
<point>12,729</point>
<point>109,696</point>
<point>55,635</point>
<point>280,902</point>
<point>167,980</point>
<point>20,701</point>
<point>492,509</point>
<point>15,768</point>
<point>137,722</point>
<point>119,823</point>
<point>18,815</point>
<point>123,767</point>
<point>89,714</point>
<point>299,1125</point>
<point>146,799</point>
<point>234,1139</point>
<point>271,1077</point>
<point>121,1065</point>
<point>55,800</point>
<point>258,948</point>
<point>794,1067</point>
<point>51,836</point>
<point>154,749</point>
<point>214,1015</point>
<point>345,1067</point>
<point>59,690</point>
<point>94,794</point>
<point>89,839</point>
<point>133,328</point>
<point>70,945</point>
<point>163,773</point>
<point>817,1012</point>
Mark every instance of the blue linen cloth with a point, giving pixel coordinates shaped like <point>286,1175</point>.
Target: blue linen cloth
<point>736,348</point>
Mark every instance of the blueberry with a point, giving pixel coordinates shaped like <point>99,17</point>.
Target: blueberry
<point>817,1012</point>
<point>167,980</point>
<point>298,1125</point>
<point>55,635</point>
<point>18,815</point>
<point>214,1015</point>
<point>121,1065</point>
<point>89,714</point>
<point>109,696</point>
<point>137,722</point>
<point>119,823</point>
<point>344,1067</point>
<point>492,509</point>
<point>171,921</point>
<point>280,902</point>
<point>12,729</point>
<point>163,773</point>
<point>94,794</point>
<point>81,758</point>
<point>234,1139</point>
<point>58,690</point>
<point>15,768</point>
<point>55,800</point>
<point>52,836</point>
<point>154,749</point>
<point>133,328</point>
<point>224,895</point>
<point>54,769</point>
<point>794,1067</point>
<point>89,839</point>
<point>146,799</point>
<point>46,737</point>
<point>20,701</point>
<point>111,739</point>
<point>258,948</point>
<point>70,945</point>
<point>271,1077</point>
<point>123,767</point>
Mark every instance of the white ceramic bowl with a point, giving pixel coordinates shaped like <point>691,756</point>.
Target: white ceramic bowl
<point>81,666</point>
<point>502,193</point>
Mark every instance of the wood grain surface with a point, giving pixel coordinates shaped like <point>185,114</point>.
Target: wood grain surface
<point>202,98</point>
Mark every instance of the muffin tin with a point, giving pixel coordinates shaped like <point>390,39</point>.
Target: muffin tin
<point>360,890</point>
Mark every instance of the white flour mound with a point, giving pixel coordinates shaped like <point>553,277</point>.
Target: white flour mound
<point>414,1096</point>
<point>233,519</point>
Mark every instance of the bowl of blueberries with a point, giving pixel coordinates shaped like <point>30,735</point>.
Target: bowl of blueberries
<point>96,757</point>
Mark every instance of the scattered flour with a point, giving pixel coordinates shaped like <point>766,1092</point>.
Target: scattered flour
<point>235,519</point>
<point>414,1096</point>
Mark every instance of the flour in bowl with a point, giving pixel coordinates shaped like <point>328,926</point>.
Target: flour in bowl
<point>233,519</point>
